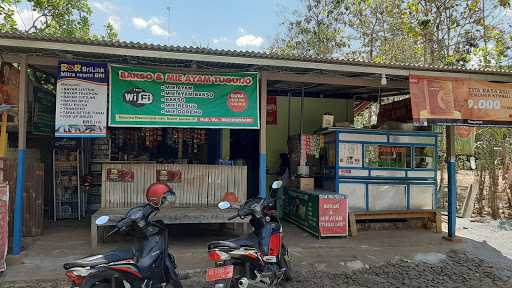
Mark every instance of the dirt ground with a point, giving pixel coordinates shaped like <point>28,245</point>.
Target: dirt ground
<point>393,258</point>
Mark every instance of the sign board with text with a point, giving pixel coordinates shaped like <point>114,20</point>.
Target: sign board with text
<point>81,100</point>
<point>333,215</point>
<point>460,101</point>
<point>142,97</point>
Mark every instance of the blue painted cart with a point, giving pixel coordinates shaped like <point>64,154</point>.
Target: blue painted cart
<point>381,170</point>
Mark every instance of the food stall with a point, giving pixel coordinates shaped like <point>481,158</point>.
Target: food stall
<point>375,171</point>
<point>381,170</point>
<point>136,157</point>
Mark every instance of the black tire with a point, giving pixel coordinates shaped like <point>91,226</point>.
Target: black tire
<point>176,284</point>
<point>285,263</point>
<point>101,285</point>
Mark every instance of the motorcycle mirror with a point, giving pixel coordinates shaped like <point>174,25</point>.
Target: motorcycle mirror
<point>224,205</point>
<point>277,184</point>
<point>102,220</point>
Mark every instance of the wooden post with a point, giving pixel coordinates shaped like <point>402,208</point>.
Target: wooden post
<point>225,144</point>
<point>263,135</point>
<point>3,135</point>
<point>17,244</point>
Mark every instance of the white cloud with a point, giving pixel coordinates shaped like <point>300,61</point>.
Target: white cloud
<point>140,23</point>
<point>25,18</point>
<point>115,21</point>
<point>241,30</point>
<point>219,40</point>
<point>159,31</point>
<point>153,24</point>
<point>104,6</point>
<point>249,40</point>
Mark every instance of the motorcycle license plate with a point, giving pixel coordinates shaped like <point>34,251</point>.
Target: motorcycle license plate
<point>219,273</point>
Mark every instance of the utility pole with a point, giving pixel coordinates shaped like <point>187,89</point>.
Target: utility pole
<point>168,8</point>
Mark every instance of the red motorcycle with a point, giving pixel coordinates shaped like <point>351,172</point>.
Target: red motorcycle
<point>257,259</point>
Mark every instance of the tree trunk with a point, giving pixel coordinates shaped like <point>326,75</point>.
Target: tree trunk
<point>481,188</point>
<point>493,189</point>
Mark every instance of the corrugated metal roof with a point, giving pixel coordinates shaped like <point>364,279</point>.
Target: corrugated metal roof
<point>248,54</point>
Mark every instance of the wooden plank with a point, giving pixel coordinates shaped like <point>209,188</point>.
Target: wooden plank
<point>94,232</point>
<point>439,222</point>
<point>209,187</point>
<point>203,192</point>
<point>201,185</point>
<point>469,201</point>
<point>394,216</point>
<point>178,215</point>
<point>353,224</point>
<point>244,183</point>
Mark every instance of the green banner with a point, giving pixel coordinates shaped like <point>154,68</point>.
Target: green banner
<point>43,111</point>
<point>142,97</point>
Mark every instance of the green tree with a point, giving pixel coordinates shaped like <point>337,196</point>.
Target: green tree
<point>316,31</point>
<point>431,32</point>
<point>62,18</point>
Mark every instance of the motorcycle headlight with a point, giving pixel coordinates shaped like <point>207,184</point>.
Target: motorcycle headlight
<point>169,198</point>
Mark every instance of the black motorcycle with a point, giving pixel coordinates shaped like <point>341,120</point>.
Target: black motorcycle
<point>258,259</point>
<point>147,264</point>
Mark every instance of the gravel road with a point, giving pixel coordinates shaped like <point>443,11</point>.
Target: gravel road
<point>453,270</point>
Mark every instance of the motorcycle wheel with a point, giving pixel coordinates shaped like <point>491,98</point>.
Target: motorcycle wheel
<point>101,285</point>
<point>284,264</point>
<point>176,284</point>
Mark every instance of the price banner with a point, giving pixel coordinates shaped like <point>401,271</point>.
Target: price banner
<point>460,101</point>
<point>333,215</point>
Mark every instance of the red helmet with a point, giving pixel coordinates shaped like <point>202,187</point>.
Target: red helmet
<point>158,194</point>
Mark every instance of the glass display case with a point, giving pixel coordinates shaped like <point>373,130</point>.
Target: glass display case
<point>381,170</point>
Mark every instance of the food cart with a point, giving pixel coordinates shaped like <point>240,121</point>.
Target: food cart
<point>381,170</point>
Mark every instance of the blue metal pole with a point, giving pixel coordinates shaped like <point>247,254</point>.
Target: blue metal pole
<point>263,136</point>
<point>452,181</point>
<point>17,240</point>
<point>452,198</point>
<point>17,244</point>
<point>263,175</point>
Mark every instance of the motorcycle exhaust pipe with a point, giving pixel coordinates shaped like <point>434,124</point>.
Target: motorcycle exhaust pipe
<point>243,283</point>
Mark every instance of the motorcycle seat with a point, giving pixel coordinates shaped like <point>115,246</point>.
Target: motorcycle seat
<point>222,244</point>
<point>250,241</point>
<point>95,260</point>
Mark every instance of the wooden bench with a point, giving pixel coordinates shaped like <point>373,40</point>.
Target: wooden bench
<point>432,216</point>
<point>212,215</point>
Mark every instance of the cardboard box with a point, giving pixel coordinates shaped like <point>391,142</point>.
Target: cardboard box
<point>307,184</point>
<point>327,120</point>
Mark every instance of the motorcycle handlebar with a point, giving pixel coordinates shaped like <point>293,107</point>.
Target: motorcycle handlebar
<point>112,232</point>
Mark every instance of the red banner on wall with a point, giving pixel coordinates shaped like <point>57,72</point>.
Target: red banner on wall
<point>333,215</point>
<point>460,101</point>
<point>271,110</point>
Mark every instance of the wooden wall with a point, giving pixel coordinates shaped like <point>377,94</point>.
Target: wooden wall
<point>201,185</point>
<point>33,218</point>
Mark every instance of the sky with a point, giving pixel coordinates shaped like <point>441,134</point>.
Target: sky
<point>220,24</point>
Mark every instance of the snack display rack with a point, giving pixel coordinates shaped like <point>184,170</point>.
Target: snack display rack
<point>69,202</point>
